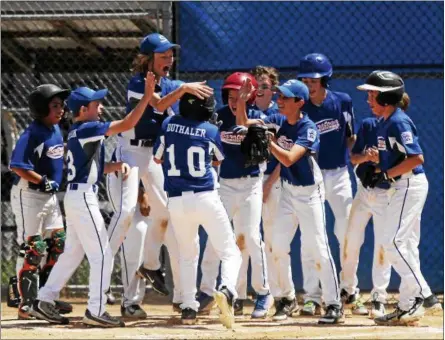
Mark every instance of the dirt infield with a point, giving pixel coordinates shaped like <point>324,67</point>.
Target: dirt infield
<point>162,323</point>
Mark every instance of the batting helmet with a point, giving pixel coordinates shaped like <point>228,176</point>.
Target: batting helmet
<point>39,99</point>
<point>191,107</point>
<point>234,82</point>
<point>316,65</point>
<point>389,84</point>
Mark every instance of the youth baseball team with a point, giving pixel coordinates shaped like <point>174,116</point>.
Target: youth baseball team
<point>178,165</point>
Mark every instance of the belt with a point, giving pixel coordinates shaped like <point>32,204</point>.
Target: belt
<point>146,143</point>
<point>172,194</point>
<point>251,176</point>
<point>82,187</point>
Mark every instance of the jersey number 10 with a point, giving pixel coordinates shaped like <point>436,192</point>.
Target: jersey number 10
<point>191,151</point>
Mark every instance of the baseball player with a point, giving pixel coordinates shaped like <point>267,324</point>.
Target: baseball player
<point>131,250</point>
<point>187,147</point>
<point>135,147</point>
<point>333,114</point>
<point>37,161</point>
<point>241,190</point>
<point>401,164</point>
<point>86,232</point>
<point>301,201</point>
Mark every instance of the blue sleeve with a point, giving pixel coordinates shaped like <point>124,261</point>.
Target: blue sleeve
<point>274,121</point>
<point>348,112</point>
<point>405,134</point>
<point>359,145</point>
<point>255,114</point>
<point>308,137</point>
<point>22,156</point>
<point>93,129</point>
<point>135,92</point>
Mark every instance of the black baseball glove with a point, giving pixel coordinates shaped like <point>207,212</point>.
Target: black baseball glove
<point>365,173</point>
<point>255,146</point>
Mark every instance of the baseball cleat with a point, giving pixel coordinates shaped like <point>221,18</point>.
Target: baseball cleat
<point>24,313</point>
<point>156,278</point>
<point>133,312</point>
<point>311,308</point>
<point>47,311</point>
<point>224,300</point>
<point>111,300</point>
<point>401,318</point>
<point>377,310</point>
<point>63,307</point>
<point>105,320</point>
<point>188,316</point>
<point>238,307</point>
<point>206,303</point>
<point>284,308</point>
<point>333,315</point>
<point>432,305</point>
<point>262,306</point>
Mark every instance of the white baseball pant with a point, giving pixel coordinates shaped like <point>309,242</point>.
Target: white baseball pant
<point>86,234</point>
<point>159,229</point>
<point>242,199</point>
<point>337,184</point>
<point>35,212</point>
<point>401,236</point>
<point>304,206</point>
<point>206,209</point>
<point>367,203</point>
<point>132,249</point>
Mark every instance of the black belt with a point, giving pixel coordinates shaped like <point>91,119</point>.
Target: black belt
<point>75,186</point>
<point>146,143</point>
<point>179,193</point>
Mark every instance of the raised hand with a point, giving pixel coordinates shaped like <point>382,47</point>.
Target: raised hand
<point>150,83</point>
<point>246,90</point>
<point>199,89</point>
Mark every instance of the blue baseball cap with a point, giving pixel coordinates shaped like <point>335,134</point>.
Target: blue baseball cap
<point>155,43</point>
<point>82,96</point>
<point>294,88</point>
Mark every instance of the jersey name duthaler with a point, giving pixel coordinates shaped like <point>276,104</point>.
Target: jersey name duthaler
<point>186,130</point>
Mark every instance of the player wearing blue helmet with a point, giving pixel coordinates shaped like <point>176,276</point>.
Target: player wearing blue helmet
<point>86,232</point>
<point>37,161</point>
<point>333,114</point>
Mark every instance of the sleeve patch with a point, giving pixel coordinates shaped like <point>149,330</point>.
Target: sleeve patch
<point>407,137</point>
<point>311,135</point>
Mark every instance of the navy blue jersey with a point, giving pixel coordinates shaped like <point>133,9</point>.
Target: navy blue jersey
<point>86,151</point>
<point>396,138</point>
<point>305,133</point>
<point>188,148</point>
<point>335,121</point>
<point>150,123</point>
<point>367,138</point>
<point>40,149</point>
<point>233,165</point>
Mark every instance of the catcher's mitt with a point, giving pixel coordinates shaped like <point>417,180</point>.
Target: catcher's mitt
<point>255,146</point>
<point>365,172</point>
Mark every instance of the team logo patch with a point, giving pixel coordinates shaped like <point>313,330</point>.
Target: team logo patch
<point>407,137</point>
<point>285,143</point>
<point>311,135</point>
<point>231,138</point>
<point>55,152</point>
<point>381,144</point>
<point>328,125</point>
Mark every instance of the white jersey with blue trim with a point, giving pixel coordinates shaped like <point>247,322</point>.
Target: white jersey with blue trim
<point>188,148</point>
<point>367,138</point>
<point>397,138</point>
<point>86,151</point>
<point>335,121</point>
<point>39,149</point>
<point>305,171</point>
<point>151,121</point>
<point>233,165</point>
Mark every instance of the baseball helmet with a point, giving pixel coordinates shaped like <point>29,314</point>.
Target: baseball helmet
<point>234,82</point>
<point>191,107</point>
<point>316,65</point>
<point>39,99</point>
<point>390,86</point>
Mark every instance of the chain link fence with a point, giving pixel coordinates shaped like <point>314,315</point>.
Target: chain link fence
<point>93,43</point>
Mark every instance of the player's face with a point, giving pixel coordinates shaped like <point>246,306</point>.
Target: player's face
<point>94,110</point>
<point>287,106</point>
<point>163,62</point>
<point>376,108</point>
<point>264,92</point>
<point>233,97</point>
<point>314,86</point>
<point>56,111</point>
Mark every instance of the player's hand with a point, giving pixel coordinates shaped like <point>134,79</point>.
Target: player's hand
<point>372,155</point>
<point>214,120</point>
<point>240,130</point>
<point>199,89</point>
<point>125,170</point>
<point>144,208</point>
<point>48,185</point>
<point>150,83</point>
<point>246,90</point>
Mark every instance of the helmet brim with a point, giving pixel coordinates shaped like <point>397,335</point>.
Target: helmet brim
<point>63,94</point>
<point>369,87</point>
<point>314,75</point>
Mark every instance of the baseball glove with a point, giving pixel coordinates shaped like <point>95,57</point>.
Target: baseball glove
<point>365,172</point>
<point>255,146</point>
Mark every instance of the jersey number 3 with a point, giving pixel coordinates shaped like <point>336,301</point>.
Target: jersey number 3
<point>191,151</point>
<point>71,167</point>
